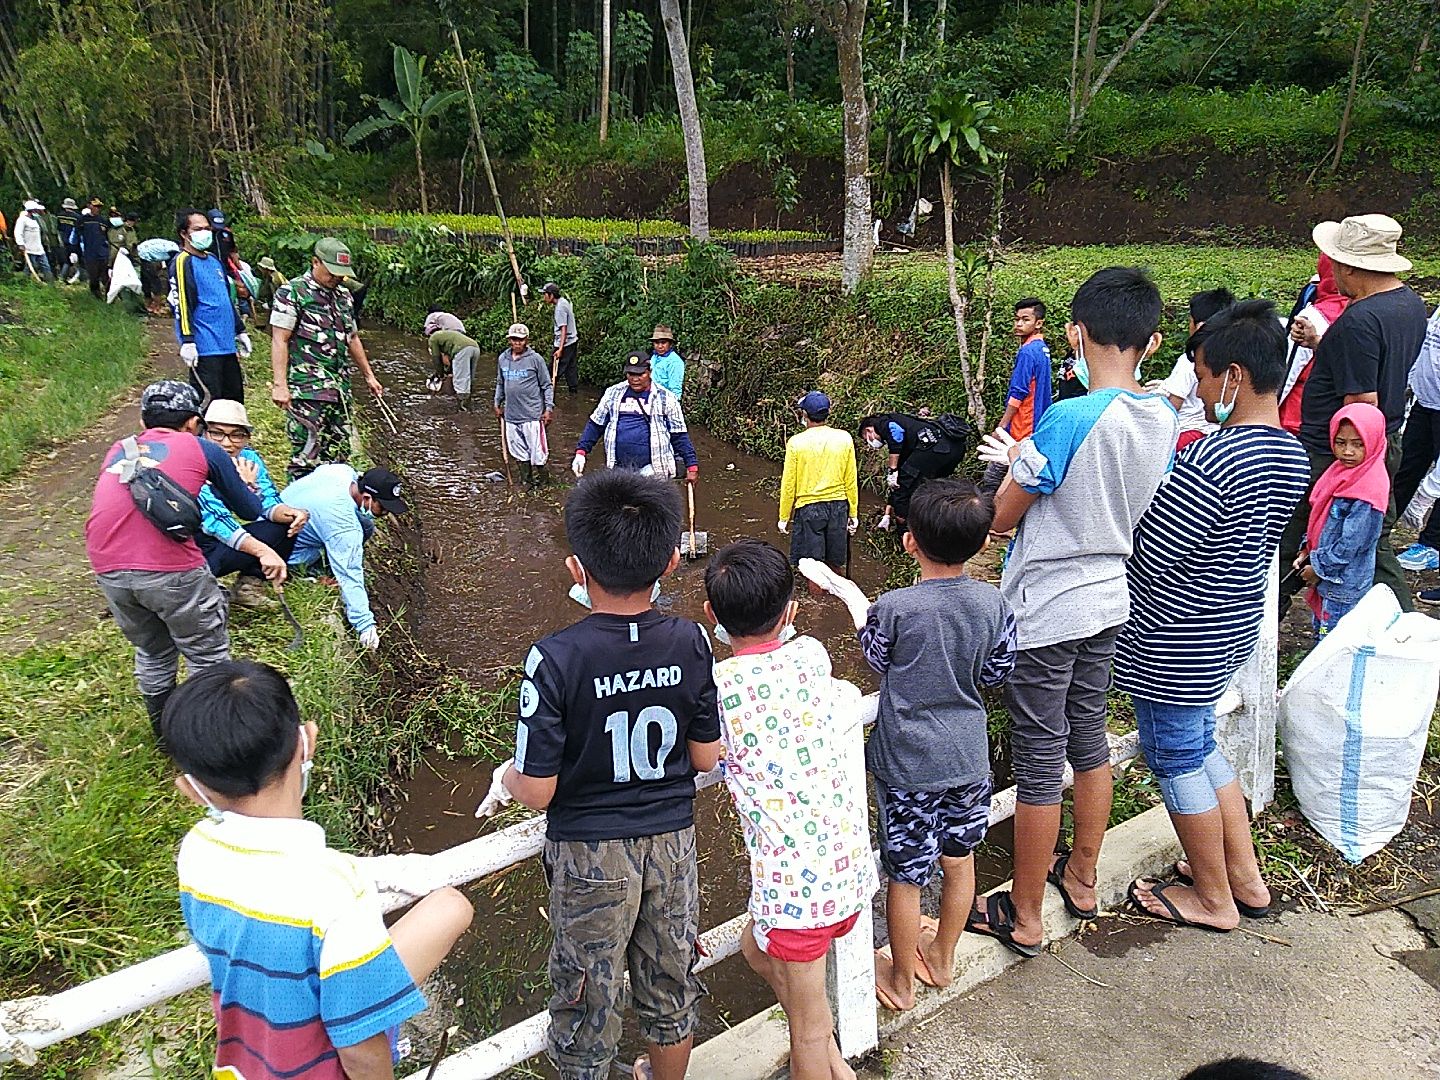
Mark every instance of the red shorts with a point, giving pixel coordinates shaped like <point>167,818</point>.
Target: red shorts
<point>800,946</point>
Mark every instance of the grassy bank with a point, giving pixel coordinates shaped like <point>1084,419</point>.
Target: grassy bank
<point>89,817</point>
<point>63,358</point>
<point>593,230</point>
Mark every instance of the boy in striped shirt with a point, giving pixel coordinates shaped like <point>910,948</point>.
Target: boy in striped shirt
<point>308,983</point>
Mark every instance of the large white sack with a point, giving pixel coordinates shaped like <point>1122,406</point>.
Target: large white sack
<point>1354,719</point>
<point>123,276</point>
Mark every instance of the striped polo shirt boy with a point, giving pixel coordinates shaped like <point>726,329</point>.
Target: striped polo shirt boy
<point>300,960</point>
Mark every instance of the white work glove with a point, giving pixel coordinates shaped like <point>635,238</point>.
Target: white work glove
<point>578,466</point>
<point>892,479</point>
<point>524,292</point>
<point>498,797</point>
<point>74,259</point>
<point>852,525</point>
<point>995,448</point>
<point>243,348</point>
<point>783,525</point>
<point>838,586</point>
<point>884,523</point>
<point>371,638</point>
<point>189,354</point>
<point>411,875</point>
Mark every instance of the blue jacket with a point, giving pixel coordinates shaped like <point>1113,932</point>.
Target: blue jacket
<point>205,313</point>
<point>94,247</point>
<point>338,529</point>
<point>668,371</point>
<point>1344,560</point>
<point>215,516</point>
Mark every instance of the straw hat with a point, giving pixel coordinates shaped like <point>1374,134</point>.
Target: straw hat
<point>1366,242</point>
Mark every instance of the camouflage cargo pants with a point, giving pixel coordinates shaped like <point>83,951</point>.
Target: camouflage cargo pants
<point>616,904</point>
<point>319,433</point>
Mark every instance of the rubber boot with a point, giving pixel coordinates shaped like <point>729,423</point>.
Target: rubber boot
<point>464,402</point>
<point>155,706</point>
<point>542,477</point>
<point>527,473</point>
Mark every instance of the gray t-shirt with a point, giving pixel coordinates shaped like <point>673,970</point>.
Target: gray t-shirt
<point>935,644</point>
<point>523,386</point>
<point>1095,462</point>
<point>565,331</point>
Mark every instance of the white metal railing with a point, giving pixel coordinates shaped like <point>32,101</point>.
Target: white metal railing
<point>1246,731</point>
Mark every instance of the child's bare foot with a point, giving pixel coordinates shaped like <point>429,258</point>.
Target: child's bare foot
<point>893,996</point>
<point>935,967</point>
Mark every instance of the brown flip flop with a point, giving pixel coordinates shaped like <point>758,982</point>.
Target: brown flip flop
<point>922,966</point>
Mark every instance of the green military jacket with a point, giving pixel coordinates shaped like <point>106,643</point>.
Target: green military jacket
<point>321,322</point>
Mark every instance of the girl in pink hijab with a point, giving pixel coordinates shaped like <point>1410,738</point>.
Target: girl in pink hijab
<point>1347,506</point>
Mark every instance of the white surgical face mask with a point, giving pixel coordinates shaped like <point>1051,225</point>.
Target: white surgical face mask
<point>306,762</point>
<point>117,222</point>
<point>786,633</point>
<point>201,239</point>
<point>211,810</point>
<point>874,444</point>
<point>1082,369</point>
<point>580,593</point>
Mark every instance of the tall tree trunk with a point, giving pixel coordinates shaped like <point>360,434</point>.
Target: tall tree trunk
<point>605,70</point>
<point>790,65</point>
<point>689,120</point>
<point>993,252</point>
<point>525,26</point>
<point>974,398</point>
<point>555,38</point>
<point>1075,62</point>
<point>1354,84</point>
<point>479,138</point>
<point>1090,89</point>
<point>845,19</point>
<point>904,26</point>
<point>420,168</point>
<point>940,22</point>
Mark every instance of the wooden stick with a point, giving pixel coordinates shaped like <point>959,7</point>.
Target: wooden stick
<point>1421,894</point>
<point>505,452</point>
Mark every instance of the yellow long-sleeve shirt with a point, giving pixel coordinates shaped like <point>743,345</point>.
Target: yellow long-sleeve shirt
<point>819,467</point>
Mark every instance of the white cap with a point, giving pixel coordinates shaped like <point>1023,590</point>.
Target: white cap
<point>226,411</point>
<point>518,330</point>
<point>32,204</point>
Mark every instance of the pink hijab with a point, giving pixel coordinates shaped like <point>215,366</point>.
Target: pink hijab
<point>1329,301</point>
<point>1368,482</point>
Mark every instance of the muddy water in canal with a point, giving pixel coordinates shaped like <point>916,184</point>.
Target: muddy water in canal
<point>493,580</point>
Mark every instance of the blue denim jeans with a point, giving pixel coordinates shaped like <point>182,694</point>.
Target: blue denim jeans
<point>1179,745</point>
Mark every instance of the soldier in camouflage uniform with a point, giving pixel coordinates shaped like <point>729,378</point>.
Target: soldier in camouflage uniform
<point>313,332</point>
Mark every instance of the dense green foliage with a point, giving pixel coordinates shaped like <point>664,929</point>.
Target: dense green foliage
<point>63,358</point>
<point>591,230</point>
<point>102,95</point>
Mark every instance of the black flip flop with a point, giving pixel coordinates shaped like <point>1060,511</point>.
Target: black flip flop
<point>1248,911</point>
<point>1157,890</point>
<point>1056,877</point>
<point>999,923</point>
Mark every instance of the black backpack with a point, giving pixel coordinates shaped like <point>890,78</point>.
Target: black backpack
<point>946,433</point>
<point>165,504</point>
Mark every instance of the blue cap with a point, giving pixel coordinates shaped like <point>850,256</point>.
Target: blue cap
<point>815,405</point>
<point>217,218</point>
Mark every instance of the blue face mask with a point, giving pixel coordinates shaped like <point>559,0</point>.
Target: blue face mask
<point>201,239</point>
<point>1223,411</point>
<point>581,594</point>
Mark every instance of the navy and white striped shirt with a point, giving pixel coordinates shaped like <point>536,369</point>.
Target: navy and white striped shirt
<point>1202,553</point>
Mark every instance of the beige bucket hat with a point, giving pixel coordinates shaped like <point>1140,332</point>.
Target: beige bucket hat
<point>226,411</point>
<point>1366,242</point>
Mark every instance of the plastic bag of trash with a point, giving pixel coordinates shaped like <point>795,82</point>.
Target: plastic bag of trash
<point>122,277</point>
<point>1354,719</point>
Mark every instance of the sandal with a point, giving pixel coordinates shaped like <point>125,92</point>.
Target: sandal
<point>1056,877</point>
<point>641,1070</point>
<point>999,923</point>
<point>922,966</point>
<point>1249,911</point>
<point>881,994</point>
<point>1157,890</point>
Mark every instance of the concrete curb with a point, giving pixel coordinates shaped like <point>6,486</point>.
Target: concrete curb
<point>760,1046</point>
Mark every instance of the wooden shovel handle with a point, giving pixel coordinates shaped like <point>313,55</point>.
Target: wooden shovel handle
<point>690,495</point>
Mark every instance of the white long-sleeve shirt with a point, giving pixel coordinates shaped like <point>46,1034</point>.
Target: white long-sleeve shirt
<point>28,234</point>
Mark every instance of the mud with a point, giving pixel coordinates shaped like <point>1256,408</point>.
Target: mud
<point>491,581</point>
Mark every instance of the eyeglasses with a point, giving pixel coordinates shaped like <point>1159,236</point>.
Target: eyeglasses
<point>234,435</point>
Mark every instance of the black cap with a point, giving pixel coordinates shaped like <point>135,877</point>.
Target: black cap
<point>384,485</point>
<point>550,289</point>
<point>170,395</point>
<point>636,362</point>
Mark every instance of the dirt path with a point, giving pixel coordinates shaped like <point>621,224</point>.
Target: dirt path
<point>46,589</point>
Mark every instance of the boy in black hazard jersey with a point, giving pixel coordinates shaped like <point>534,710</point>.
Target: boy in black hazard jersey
<point>617,714</point>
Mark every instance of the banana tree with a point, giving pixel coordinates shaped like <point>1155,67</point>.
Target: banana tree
<point>954,127</point>
<point>413,111</point>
